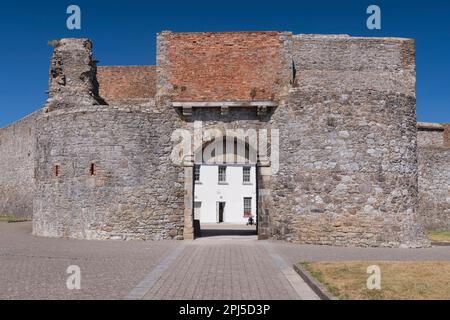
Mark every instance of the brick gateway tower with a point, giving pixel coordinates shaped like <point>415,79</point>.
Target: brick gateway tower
<point>344,108</point>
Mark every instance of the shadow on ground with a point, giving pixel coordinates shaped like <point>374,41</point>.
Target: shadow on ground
<point>220,230</point>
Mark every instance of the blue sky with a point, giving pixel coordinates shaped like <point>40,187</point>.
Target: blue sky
<point>124,33</point>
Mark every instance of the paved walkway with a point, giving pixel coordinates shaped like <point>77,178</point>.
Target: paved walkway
<point>223,269</point>
<point>236,266</point>
<point>227,262</point>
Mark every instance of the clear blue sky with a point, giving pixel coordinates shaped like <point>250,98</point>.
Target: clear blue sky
<point>124,33</point>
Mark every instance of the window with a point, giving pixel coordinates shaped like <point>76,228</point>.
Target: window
<point>196,173</point>
<point>222,173</point>
<point>246,174</point>
<point>247,207</point>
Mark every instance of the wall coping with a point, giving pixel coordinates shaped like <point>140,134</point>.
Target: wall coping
<point>430,126</point>
<point>200,104</point>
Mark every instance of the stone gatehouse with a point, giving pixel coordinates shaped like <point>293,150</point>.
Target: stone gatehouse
<point>353,167</point>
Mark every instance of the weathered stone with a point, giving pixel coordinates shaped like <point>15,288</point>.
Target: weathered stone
<point>434,176</point>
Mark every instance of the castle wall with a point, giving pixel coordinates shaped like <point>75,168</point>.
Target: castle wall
<point>103,171</point>
<point>17,152</point>
<point>135,192</point>
<point>348,165</point>
<point>126,83</point>
<point>434,176</point>
<point>348,172</point>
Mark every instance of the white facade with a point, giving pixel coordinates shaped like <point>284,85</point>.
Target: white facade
<point>223,201</point>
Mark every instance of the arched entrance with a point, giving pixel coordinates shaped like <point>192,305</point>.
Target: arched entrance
<point>223,194</point>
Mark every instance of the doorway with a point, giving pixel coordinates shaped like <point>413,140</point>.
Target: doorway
<point>228,188</point>
<point>220,211</point>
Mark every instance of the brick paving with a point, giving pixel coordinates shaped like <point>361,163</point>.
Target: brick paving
<point>222,269</point>
<point>35,267</point>
<point>233,266</point>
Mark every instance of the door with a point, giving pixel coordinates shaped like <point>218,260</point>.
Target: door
<point>220,211</point>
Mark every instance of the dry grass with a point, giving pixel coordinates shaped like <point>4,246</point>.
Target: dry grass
<point>399,280</point>
<point>439,236</point>
<point>12,219</point>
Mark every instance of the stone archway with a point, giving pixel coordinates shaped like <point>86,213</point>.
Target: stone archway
<point>262,187</point>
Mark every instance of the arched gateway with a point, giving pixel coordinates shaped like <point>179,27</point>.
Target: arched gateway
<point>226,169</point>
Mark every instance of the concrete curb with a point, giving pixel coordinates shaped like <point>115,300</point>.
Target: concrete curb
<point>313,283</point>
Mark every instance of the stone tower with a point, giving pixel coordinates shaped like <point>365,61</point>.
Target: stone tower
<point>72,79</point>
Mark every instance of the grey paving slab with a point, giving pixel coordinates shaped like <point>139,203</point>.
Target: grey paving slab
<point>150,279</point>
<point>294,253</point>
<point>35,267</point>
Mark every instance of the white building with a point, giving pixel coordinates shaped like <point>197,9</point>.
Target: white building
<point>224,193</point>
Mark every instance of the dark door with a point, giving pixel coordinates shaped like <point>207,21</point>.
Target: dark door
<point>221,210</point>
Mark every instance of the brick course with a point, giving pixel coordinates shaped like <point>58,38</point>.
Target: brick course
<point>121,83</point>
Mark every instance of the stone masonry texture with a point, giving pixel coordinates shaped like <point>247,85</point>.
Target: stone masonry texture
<point>17,154</point>
<point>354,170</point>
<point>72,78</point>
<point>348,165</point>
<point>135,191</point>
<point>434,177</point>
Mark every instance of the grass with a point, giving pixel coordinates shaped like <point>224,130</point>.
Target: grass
<point>12,219</point>
<point>439,236</point>
<point>399,280</point>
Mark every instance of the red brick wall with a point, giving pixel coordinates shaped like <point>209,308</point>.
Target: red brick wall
<point>224,66</point>
<point>127,82</point>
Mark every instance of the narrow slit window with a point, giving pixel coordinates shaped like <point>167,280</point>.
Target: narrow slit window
<point>56,170</point>
<point>92,169</point>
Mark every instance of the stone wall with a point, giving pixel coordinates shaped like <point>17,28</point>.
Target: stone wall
<point>348,164</point>
<point>126,83</point>
<point>17,152</point>
<point>135,192</point>
<point>227,66</point>
<point>447,135</point>
<point>434,176</point>
<point>104,172</point>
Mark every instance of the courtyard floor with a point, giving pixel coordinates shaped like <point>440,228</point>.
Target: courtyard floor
<point>222,264</point>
